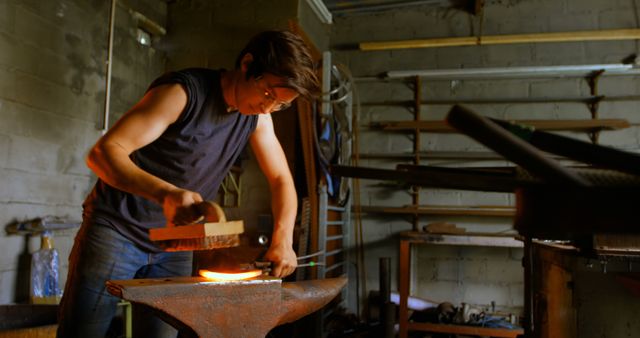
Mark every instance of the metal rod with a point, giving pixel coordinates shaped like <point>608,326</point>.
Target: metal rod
<point>448,178</point>
<point>335,222</point>
<point>334,266</point>
<point>354,8</point>
<point>437,126</point>
<point>107,94</point>
<point>438,155</point>
<point>529,287</point>
<point>387,309</point>
<point>510,72</point>
<point>334,252</point>
<point>605,157</point>
<point>318,253</point>
<point>415,190</point>
<point>513,148</point>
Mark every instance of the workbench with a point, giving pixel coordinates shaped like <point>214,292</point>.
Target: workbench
<point>407,239</point>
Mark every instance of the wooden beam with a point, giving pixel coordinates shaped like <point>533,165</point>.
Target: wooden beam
<point>444,210</point>
<point>557,125</point>
<point>598,35</point>
<point>465,239</point>
<point>534,100</point>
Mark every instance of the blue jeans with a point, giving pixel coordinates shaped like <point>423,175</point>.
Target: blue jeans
<point>99,254</point>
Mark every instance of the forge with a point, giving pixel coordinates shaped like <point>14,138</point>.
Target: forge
<point>201,307</point>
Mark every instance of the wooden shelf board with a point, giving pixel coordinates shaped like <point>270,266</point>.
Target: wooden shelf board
<point>497,211</point>
<point>466,330</point>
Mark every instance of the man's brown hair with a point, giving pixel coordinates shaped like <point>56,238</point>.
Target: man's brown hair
<point>284,54</point>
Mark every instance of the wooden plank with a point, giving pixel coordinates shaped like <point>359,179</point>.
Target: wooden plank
<point>197,230</point>
<point>532,100</point>
<point>557,125</point>
<point>599,35</point>
<point>403,288</point>
<point>466,239</point>
<point>305,112</point>
<point>444,210</point>
<point>45,331</point>
<point>465,330</point>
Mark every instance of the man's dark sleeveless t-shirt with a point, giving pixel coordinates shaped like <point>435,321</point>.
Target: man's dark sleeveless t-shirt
<point>194,153</point>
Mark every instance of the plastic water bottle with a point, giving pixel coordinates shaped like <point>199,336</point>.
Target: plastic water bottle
<point>44,272</point>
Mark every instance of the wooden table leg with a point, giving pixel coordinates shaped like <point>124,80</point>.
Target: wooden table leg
<point>403,286</point>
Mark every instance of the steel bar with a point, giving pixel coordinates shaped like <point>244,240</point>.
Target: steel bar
<point>109,66</point>
<point>605,157</point>
<point>334,266</point>
<point>553,125</point>
<point>387,309</point>
<point>438,177</point>
<point>335,222</point>
<point>437,155</point>
<point>334,252</point>
<point>335,208</point>
<point>343,8</point>
<point>512,72</point>
<point>415,190</point>
<point>513,148</point>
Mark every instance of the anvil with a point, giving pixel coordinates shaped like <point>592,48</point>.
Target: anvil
<point>246,308</point>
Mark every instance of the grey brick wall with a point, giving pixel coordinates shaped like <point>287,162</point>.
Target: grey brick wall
<point>52,87</point>
<point>476,275</point>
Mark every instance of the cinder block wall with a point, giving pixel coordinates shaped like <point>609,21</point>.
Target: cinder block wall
<point>474,275</point>
<point>52,89</point>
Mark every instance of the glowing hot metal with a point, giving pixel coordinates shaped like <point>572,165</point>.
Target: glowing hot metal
<point>223,276</point>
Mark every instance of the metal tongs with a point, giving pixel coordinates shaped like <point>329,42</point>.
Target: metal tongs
<point>267,266</point>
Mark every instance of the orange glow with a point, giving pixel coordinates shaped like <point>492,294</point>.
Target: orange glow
<point>223,276</point>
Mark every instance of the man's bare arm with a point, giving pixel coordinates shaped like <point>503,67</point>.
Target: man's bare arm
<point>284,202</point>
<point>141,125</point>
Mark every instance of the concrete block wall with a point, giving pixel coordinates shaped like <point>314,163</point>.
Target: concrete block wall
<point>52,88</point>
<point>474,275</point>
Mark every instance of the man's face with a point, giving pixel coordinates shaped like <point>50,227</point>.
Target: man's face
<point>263,95</point>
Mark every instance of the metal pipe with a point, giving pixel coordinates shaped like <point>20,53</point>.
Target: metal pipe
<point>510,72</point>
<point>107,95</point>
<point>511,147</point>
<point>387,308</point>
<point>341,9</point>
<point>319,8</point>
<point>385,279</point>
